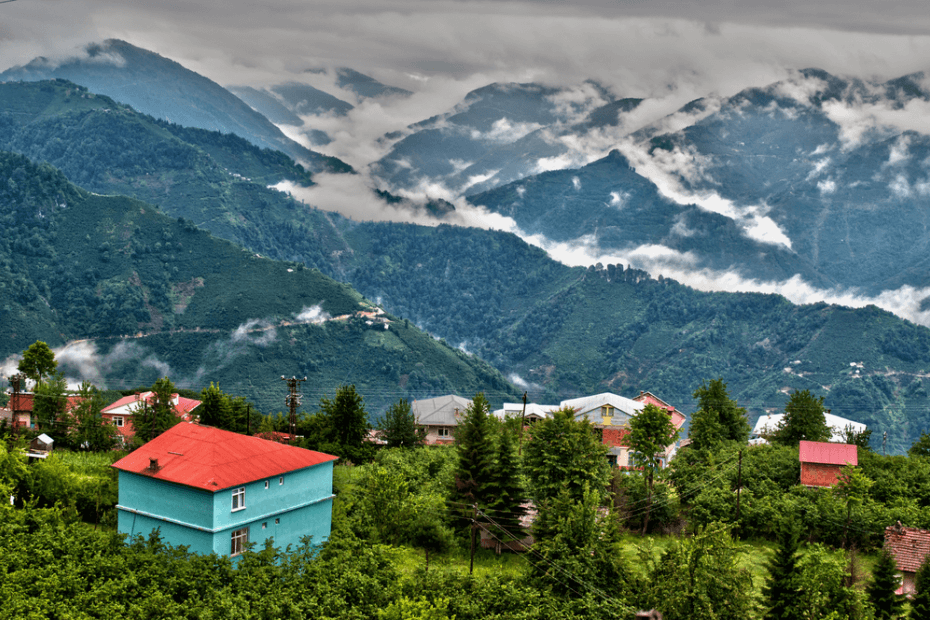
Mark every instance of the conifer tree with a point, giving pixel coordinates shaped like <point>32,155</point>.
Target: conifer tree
<point>215,408</point>
<point>718,418</point>
<point>920,604</point>
<point>475,448</point>
<point>781,590</point>
<point>507,495</point>
<point>881,591</point>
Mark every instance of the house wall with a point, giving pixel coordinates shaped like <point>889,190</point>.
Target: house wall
<point>433,438</point>
<point>158,498</point>
<point>302,506</point>
<point>819,475</point>
<point>283,529</point>
<point>136,524</point>
<point>204,521</point>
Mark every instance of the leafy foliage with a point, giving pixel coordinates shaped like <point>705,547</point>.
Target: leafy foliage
<point>804,420</point>
<point>38,361</point>
<point>399,426</point>
<point>563,452</point>
<point>718,418</point>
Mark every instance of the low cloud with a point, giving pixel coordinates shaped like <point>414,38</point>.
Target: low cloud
<point>82,361</point>
<point>667,169</point>
<point>906,301</point>
<point>313,314</point>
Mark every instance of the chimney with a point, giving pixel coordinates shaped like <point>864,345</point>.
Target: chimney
<point>153,465</point>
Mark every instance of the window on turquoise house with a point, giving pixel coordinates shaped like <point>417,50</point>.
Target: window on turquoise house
<point>281,480</point>
<point>238,499</point>
<point>240,538</point>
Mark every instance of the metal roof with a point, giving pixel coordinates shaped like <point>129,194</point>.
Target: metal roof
<point>769,424</point>
<point>440,411</point>
<point>213,459</point>
<point>586,404</point>
<point>828,453</point>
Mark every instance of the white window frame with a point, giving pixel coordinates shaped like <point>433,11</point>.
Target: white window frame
<point>118,421</point>
<point>280,480</point>
<point>266,484</point>
<point>444,432</point>
<point>238,540</point>
<point>238,499</point>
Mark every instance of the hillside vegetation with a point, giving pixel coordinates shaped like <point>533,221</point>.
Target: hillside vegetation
<point>158,296</point>
<point>564,331</point>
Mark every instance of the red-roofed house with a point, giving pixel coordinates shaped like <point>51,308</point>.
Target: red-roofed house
<point>909,546</point>
<point>215,490</point>
<point>120,413</point>
<point>821,462</point>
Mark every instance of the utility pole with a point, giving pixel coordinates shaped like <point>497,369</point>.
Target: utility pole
<point>522,418</point>
<point>16,381</point>
<point>739,485</point>
<point>292,400</point>
<point>474,526</point>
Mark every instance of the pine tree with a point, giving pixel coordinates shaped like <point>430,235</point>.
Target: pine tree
<point>881,591</point>
<point>507,495</point>
<point>475,448</point>
<point>215,408</point>
<point>920,604</point>
<point>781,591</point>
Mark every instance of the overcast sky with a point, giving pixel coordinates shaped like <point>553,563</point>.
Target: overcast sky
<point>641,47</point>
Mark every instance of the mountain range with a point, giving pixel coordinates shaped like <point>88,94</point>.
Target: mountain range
<point>554,330</point>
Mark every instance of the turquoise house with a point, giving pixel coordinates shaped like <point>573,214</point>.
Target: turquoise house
<point>214,491</point>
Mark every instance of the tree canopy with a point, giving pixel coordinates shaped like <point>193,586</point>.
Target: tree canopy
<point>399,426</point>
<point>804,420</point>
<point>718,418</point>
<point>38,361</point>
<point>565,452</point>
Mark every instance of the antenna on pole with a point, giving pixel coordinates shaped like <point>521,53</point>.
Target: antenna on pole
<point>292,400</point>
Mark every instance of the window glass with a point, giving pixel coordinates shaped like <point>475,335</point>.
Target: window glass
<point>239,539</point>
<point>238,498</point>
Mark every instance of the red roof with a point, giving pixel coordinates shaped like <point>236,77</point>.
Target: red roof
<point>828,453</point>
<point>678,418</point>
<point>213,459</point>
<point>908,545</point>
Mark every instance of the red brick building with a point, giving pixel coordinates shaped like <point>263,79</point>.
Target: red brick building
<point>910,547</point>
<point>821,462</point>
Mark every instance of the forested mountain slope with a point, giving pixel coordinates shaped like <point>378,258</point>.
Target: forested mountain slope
<point>563,331</point>
<point>816,176</point>
<point>164,89</point>
<point>218,181</point>
<point>149,296</point>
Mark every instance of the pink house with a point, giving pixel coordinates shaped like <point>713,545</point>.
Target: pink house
<point>120,414</point>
